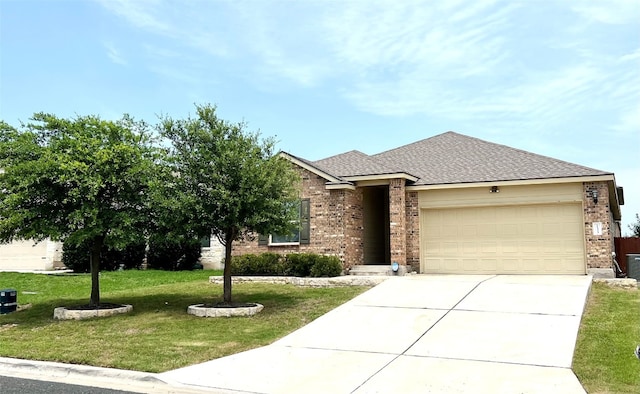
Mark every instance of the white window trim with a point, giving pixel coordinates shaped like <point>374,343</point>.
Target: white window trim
<point>271,243</point>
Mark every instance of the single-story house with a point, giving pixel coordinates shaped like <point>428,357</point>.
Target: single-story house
<point>454,204</point>
<point>28,255</point>
<point>47,255</point>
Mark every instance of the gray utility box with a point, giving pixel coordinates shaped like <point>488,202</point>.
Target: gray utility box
<point>8,301</point>
<point>633,266</point>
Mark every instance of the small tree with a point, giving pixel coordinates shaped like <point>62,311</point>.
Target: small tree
<point>635,227</point>
<point>227,182</point>
<point>82,180</point>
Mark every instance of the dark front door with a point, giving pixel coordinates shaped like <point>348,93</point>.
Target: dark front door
<point>376,225</point>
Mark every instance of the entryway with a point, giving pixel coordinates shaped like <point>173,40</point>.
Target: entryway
<point>376,243</point>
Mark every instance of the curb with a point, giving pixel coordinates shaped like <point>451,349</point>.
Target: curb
<point>85,375</point>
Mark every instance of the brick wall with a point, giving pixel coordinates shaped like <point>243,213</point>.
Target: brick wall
<point>335,223</point>
<point>353,245</point>
<point>397,218</point>
<point>599,247</point>
<point>412,212</point>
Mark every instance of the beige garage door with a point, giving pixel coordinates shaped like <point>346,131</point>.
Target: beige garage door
<point>524,239</point>
<point>23,255</point>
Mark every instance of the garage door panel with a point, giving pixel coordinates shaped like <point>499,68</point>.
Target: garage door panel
<point>23,255</point>
<point>508,239</point>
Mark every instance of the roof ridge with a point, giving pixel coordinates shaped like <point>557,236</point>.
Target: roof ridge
<point>419,141</point>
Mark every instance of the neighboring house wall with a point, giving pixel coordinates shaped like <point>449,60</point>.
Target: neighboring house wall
<point>212,257</point>
<point>26,255</point>
<point>599,247</point>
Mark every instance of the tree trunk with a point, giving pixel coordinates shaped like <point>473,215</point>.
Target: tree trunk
<point>229,236</point>
<point>96,247</point>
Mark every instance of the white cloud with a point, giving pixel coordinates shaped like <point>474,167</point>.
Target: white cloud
<point>614,12</point>
<point>114,54</point>
<point>186,23</point>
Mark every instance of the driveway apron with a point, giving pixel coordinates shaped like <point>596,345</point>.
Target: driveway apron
<point>419,334</point>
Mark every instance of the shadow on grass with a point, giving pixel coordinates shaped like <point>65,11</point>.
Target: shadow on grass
<point>172,303</point>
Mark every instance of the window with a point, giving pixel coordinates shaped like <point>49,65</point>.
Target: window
<point>299,234</point>
<point>205,242</point>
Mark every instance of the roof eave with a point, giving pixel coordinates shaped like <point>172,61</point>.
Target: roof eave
<point>339,186</point>
<point>300,163</point>
<point>376,177</point>
<point>514,182</point>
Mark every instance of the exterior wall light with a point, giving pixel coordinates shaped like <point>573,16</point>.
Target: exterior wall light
<point>594,195</point>
<point>494,189</point>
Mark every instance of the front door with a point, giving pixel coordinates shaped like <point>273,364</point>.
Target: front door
<point>376,225</point>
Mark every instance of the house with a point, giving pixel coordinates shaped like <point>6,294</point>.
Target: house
<point>455,204</point>
<point>47,255</point>
<point>28,255</point>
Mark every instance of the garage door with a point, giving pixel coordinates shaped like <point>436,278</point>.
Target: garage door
<point>23,255</point>
<point>522,239</point>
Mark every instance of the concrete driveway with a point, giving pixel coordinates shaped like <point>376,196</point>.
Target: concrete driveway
<point>419,334</point>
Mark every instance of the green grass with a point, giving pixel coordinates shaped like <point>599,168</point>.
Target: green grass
<point>609,333</point>
<point>158,335</point>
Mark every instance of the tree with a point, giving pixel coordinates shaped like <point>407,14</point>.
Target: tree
<point>81,180</point>
<point>227,182</point>
<point>635,227</point>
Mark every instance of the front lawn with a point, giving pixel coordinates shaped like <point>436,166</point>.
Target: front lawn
<point>159,335</point>
<point>610,331</point>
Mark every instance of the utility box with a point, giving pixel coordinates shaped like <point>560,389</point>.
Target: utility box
<point>633,266</point>
<point>8,301</point>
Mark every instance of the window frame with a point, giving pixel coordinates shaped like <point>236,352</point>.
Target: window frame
<point>302,228</point>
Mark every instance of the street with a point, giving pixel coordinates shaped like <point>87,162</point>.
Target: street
<point>10,385</point>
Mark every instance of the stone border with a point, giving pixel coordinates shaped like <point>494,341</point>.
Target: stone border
<point>201,311</point>
<point>63,313</point>
<point>625,283</point>
<point>337,281</point>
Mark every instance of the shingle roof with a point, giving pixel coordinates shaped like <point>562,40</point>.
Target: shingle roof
<point>451,158</point>
<point>354,163</point>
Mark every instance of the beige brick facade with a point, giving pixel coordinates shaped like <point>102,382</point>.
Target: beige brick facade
<point>598,247</point>
<point>337,224</point>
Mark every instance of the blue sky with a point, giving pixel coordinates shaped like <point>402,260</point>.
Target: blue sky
<point>558,78</point>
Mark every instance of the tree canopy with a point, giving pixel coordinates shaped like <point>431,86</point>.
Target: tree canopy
<point>227,181</point>
<point>78,180</point>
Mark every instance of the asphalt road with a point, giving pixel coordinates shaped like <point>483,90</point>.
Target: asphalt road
<point>9,385</point>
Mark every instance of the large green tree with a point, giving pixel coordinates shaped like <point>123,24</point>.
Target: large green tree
<point>227,182</point>
<point>83,180</point>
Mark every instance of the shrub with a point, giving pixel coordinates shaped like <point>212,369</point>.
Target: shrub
<point>76,257</point>
<point>326,266</point>
<point>268,264</point>
<point>173,254</point>
<point>299,264</point>
<point>295,264</point>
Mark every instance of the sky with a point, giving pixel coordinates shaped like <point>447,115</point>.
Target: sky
<point>556,78</point>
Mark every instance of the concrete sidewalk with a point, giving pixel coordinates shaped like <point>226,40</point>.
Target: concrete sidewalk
<point>436,333</point>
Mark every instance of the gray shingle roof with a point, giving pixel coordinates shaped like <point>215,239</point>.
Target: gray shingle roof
<point>454,158</point>
<point>354,163</point>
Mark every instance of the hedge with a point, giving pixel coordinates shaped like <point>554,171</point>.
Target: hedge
<point>295,264</point>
